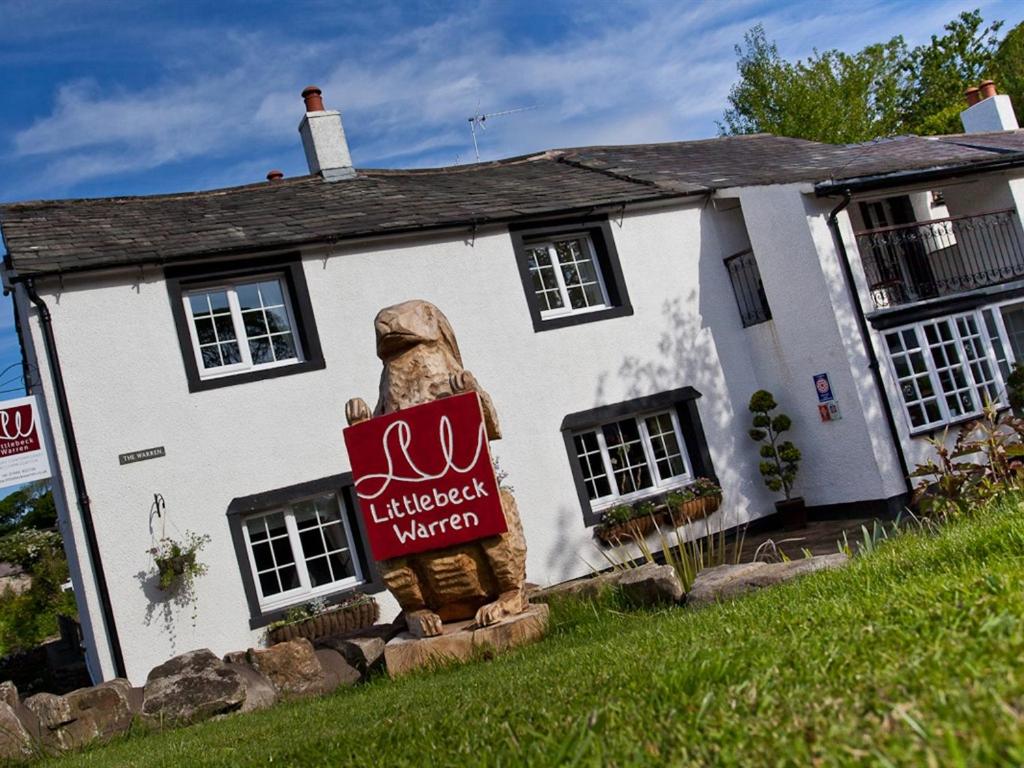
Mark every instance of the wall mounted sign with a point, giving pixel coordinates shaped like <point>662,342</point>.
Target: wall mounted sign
<point>829,411</point>
<point>22,450</point>
<point>823,387</point>
<point>424,477</point>
<point>148,453</point>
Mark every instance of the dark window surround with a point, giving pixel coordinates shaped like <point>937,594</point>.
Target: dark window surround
<point>683,400</point>
<point>181,279</point>
<point>600,233</point>
<point>926,310</point>
<point>243,506</point>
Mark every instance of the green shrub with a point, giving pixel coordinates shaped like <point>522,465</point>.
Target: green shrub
<point>25,546</point>
<point>781,458</point>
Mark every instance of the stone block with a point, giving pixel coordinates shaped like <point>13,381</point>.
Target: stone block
<point>463,641</point>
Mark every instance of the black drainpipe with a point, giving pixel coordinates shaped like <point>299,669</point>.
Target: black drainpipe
<point>865,333</point>
<point>81,493</point>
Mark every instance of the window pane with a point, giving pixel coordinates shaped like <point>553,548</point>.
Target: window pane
<point>665,446</point>
<point>230,353</point>
<point>260,351</point>
<point>323,538</point>
<point>282,551</point>
<point>579,273</point>
<point>199,305</point>
<point>225,327</point>
<point>248,296</point>
<point>341,565</point>
<point>255,324</point>
<point>284,347</point>
<point>262,555</point>
<point>289,577</point>
<point>204,331</point>
<point>269,584</point>
<point>319,571</point>
<point>542,273</point>
<point>219,301</point>
<point>211,357</point>
<point>277,320</point>
<point>312,543</point>
<point>1013,319</point>
<point>271,293</point>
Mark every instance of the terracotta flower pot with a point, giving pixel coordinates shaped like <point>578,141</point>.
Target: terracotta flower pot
<point>336,621</point>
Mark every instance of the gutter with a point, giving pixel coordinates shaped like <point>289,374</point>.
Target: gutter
<point>865,334</point>
<point>81,493</point>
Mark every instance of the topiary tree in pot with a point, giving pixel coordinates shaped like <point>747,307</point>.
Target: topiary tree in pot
<point>780,459</point>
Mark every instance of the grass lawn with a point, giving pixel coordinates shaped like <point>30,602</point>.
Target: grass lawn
<point>911,656</point>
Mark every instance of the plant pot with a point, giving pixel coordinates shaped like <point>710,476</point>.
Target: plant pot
<point>696,509</point>
<point>630,530</point>
<point>176,565</point>
<point>335,621</point>
<point>792,513</point>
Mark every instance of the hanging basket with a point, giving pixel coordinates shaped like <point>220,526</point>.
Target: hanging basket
<point>176,566</point>
<point>335,621</point>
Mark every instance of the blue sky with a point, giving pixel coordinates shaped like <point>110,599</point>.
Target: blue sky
<point>118,98</point>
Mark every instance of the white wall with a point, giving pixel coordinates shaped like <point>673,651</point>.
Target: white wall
<point>127,386</point>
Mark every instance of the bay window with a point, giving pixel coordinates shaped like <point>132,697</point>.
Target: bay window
<point>948,368</point>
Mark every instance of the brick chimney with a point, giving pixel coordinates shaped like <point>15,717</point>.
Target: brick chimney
<point>323,139</point>
<point>987,110</point>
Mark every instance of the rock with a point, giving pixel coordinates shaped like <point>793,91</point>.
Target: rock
<point>527,627</point>
<point>461,642</point>
<point>363,653</point>
<point>9,694</point>
<point>53,711</point>
<point>191,687</point>
<point>259,693</point>
<point>726,581</point>
<point>236,657</point>
<point>292,667</point>
<point>15,740</point>
<point>651,584</point>
<point>337,672</point>
<point>586,588</point>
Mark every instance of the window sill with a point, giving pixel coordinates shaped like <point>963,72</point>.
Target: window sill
<point>244,377</point>
<point>578,318</point>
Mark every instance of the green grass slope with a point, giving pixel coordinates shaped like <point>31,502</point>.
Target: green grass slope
<point>910,656</point>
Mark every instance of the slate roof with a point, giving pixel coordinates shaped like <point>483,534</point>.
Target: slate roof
<point>46,237</point>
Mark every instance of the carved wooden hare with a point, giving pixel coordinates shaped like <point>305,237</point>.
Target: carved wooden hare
<point>482,579</point>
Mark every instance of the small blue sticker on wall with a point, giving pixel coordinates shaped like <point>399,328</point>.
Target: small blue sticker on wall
<point>823,387</point>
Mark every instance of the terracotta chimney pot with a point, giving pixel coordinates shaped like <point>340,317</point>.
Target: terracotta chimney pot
<point>275,175</point>
<point>973,96</point>
<point>988,89</point>
<point>314,99</point>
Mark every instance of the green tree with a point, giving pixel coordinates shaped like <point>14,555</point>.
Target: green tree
<point>884,89</point>
<point>832,96</point>
<point>939,72</point>
<point>1008,68</point>
<point>31,506</point>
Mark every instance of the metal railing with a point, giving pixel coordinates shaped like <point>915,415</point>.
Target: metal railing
<point>913,262</point>
<point>746,284</point>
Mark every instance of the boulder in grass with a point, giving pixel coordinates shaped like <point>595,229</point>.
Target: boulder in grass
<point>727,581</point>
<point>292,667</point>
<point>15,741</point>
<point>363,653</point>
<point>259,692</point>
<point>192,687</point>
<point>651,585</point>
<point>338,673</point>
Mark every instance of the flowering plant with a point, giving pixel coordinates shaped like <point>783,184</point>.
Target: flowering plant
<point>176,561</point>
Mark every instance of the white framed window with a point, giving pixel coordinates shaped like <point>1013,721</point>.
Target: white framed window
<point>948,368</point>
<point>301,551</point>
<point>631,458</point>
<point>242,326</point>
<point>565,275</point>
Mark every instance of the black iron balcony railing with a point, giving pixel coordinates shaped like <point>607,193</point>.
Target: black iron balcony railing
<point>913,262</point>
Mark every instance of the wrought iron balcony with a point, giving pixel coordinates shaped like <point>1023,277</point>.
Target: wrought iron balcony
<point>913,262</point>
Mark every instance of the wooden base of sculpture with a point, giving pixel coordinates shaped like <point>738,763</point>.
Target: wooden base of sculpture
<point>463,641</point>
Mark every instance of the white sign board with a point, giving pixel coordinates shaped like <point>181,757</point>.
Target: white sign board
<point>22,450</point>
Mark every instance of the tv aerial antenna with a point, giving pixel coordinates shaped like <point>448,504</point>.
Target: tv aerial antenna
<point>479,120</point>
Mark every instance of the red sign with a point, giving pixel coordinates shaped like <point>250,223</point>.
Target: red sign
<point>22,452</point>
<point>424,477</point>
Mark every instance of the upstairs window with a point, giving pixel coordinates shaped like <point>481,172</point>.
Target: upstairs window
<point>241,327</point>
<point>565,276</point>
<point>570,272</point>
<point>241,323</point>
<point>748,289</point>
